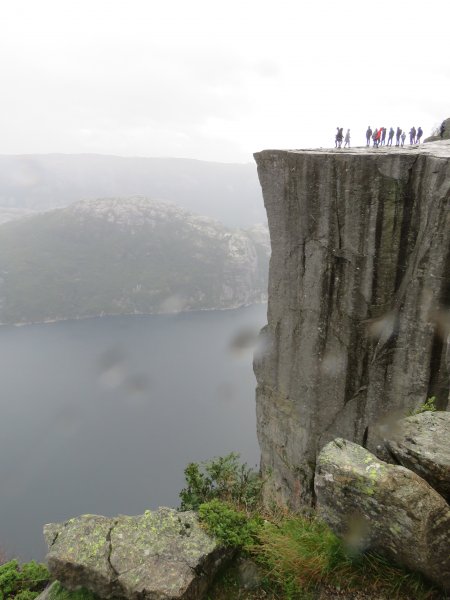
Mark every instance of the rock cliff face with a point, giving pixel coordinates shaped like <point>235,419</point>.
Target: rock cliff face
<point>359,290</point>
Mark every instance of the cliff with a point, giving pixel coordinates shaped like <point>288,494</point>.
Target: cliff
<point>359,283</point>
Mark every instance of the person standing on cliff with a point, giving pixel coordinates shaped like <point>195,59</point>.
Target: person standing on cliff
<point>412,135</point>
<point>383,136</point>
<point>379,133</point>
<point>419,134</point>
<point>368,136</point>
<point>347,139</point>
<point>374,138</point>
<point>397,136</point>
<point>403,138</point>
<point>339,137</point>
<point>442,130</point>
<point>391,136</point>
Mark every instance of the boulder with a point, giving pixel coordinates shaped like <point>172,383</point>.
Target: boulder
<point>422,444</point>
<point>437,137</point>
<point>160,555</point>
<point>384,508</point>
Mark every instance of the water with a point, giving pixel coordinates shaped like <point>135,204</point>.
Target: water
<point>101,416</point>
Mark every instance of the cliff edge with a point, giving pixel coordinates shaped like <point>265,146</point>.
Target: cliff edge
<point>359,292</point>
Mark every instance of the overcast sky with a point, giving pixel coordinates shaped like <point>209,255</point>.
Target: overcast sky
<point>216,81</point>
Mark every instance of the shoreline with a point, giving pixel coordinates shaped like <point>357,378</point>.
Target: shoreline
<point>130,314</point>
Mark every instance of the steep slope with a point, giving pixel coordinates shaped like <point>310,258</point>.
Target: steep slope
<point>126,256</point>
<point>359,277</point>
<point>227,192</point>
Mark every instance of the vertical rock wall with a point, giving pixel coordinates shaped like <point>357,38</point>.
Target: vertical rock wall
<point>358,287</point>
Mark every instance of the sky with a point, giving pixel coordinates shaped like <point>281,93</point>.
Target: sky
<point>216,81</point>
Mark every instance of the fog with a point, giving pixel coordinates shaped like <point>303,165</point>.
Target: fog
<point>216,82</point>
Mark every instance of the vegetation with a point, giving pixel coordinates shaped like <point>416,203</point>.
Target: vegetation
<point>233,527</point>
<point>224,479</point>
<point>60,593</point>
<point>297,554</point>
<point>428,406</point>
<point>124,257</point>
<point>22,582</point>
<point>301,554</point>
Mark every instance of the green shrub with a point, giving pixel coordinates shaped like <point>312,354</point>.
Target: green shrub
<point>58,592</point>
<point>231,526</point>
<point>24,581</point>
<point>222,478</point>
<point>428,406</point>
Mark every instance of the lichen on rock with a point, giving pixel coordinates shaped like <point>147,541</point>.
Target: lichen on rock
<point>385,508</point>
<point>160,555</point>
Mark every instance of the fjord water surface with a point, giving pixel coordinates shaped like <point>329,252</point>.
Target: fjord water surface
<point>102,415</point>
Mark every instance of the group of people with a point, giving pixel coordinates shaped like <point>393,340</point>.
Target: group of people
<point>378,136</point>
<point>340,138</point>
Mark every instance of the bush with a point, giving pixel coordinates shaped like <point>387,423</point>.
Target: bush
<point>23,582</point>
<point>231,526</point>
<point>222,478</point>
<point>428,406</point>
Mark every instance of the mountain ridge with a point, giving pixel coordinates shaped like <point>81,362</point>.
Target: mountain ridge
<point>126,256</point>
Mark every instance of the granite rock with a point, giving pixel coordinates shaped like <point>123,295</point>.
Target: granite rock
<point>358,293</point>
<point>422,444</point>
<point>385,508</point>
<point>160,555</point>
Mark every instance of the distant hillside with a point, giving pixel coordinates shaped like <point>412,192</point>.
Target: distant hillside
<point>228,192</point>
<point>121,256</point>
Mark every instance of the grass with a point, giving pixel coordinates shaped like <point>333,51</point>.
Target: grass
<point>58,592</point>
<point>301,554</point>
<point>298,554</point>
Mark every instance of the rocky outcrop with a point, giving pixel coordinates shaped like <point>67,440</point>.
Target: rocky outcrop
<point>384,508</point>
<point>359,274</point>
<point>437,137</point>
<point>161,555</point>
<point>421,443</point>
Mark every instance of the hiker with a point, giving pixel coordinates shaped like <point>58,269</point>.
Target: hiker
<point>374,138</point>
<point>442,129</point>
<point>339,136</point>
<point>403,138</point>
<point>379,132</point>
<point>347,139</point>
<point>383,136</point>
<point>368,136</point>
<point>412,135</point>
<point>398,133</point>
<point>419,134</point>
<point>391,136</point>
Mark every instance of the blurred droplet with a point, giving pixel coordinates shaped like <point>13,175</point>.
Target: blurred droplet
<point>138,383</point>
<point>331,364</point>
<point>173,304</point>
<point>357,534</point>
<point>244,340</point>
<point>383,327</point>
<point>111,366</point>
<point>226,392</point>
<point>441,318</point>
<point>388,426</point>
